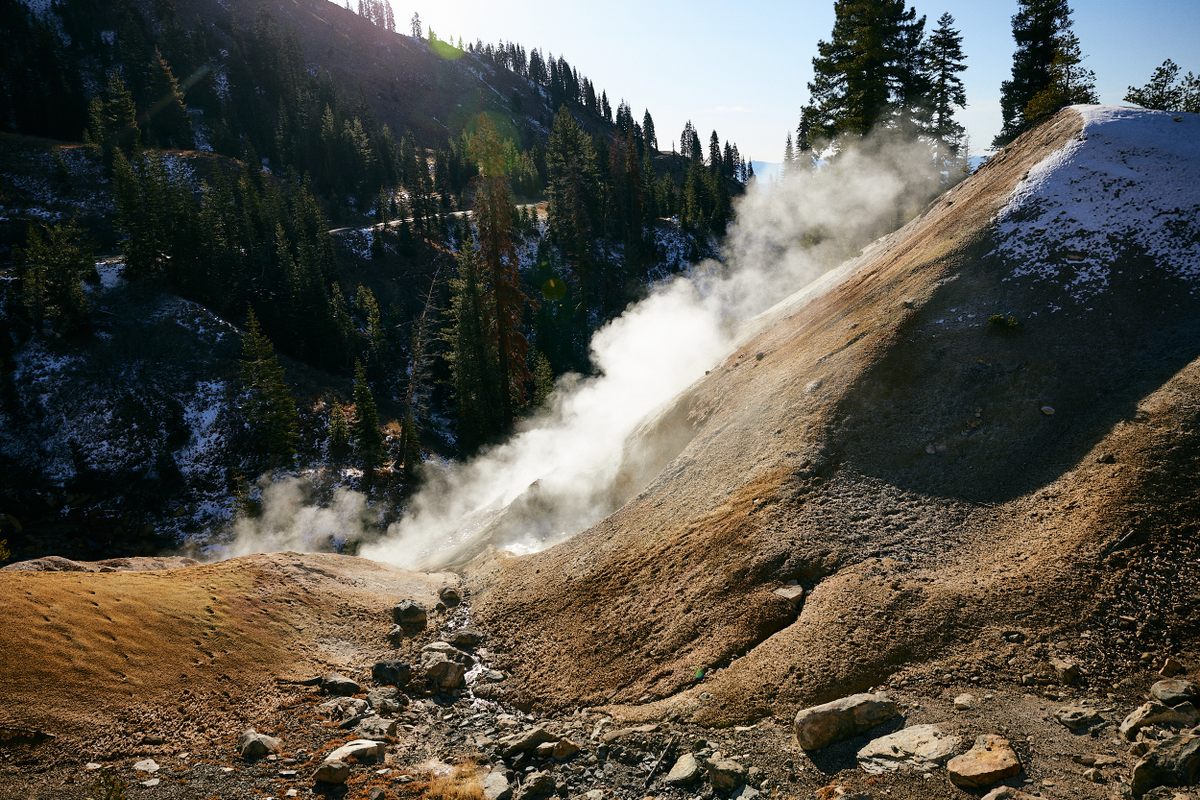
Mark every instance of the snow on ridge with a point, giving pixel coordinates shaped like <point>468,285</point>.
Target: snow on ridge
<point>1131,177</point>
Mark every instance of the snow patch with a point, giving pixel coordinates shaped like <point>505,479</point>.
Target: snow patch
<point>1130,179</point>
<point>200,457</point>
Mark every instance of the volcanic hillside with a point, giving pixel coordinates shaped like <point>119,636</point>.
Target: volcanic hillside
<point>976,452</point>
<point>987,431</point>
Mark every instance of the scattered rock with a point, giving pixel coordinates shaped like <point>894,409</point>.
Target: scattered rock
<point>564,749</point>
<point>1174,762</point>
<point>537,785</point>
<point>334,773</point>
<point>343,708</point>
<point>147,765</point>
<point>376,728</point>
<point>335,683</point>
<point>1078,719</point>
<point>443,674</point>
<point>825,724</point>
<point>725,774</point>
<point>989,761</point>
<point>621,733</point>
<point>449,651</point>
<point>1155,713</point>
<point>387,702</point>
<point>964,702</point>
<point>1175,691</point>
<point>685,772</point>
<point>359,751</point>
<point>1172,668</point>
<point>793,594</point>
<point>496,786</point>
<point>1048,411</point>
<point>920,747</point>
<point>252,744</point>
<point>1066,671</point>
<point>150,783</point>
<point>410,615</point>
<point>1007,793</point>
<point>526,742</point>
<point>397,635</point>
<point>1094,775</point>
<point>391,673</point>
<point>450,595</point>
<point>466,638</point>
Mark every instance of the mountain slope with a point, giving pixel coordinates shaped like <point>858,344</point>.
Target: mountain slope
<point>934,477</point>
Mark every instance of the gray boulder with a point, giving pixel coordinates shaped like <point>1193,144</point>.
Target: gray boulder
<point>376,728</point>
<point>1078,719</point>
<point>338,684</point>
<point>466,638</point>
<point>449,651</point>
<point>685,772</point>
<point>921,747</point>
<point>391,673</point>
<point>359,751</point>
<point>1175,691</point>
<point>410,615</point>
<point>821,726</point>
<point>526,741</point>
<point>496,786</point>
<point>537,785</point>
<point>725,774</point>
<point>387,701</point>
<point>443,674</point>
<point>333,773</point>
<point>1175,762</point>
<point>252,744</point>
<point>1157,714</point>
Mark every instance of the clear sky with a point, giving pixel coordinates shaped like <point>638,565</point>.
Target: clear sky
<point>742,67</point>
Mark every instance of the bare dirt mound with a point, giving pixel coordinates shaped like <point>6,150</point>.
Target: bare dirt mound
<point>975,440</point>
<point>109,661</point>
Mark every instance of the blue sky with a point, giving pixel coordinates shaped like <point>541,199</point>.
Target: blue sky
<point>742,68</point>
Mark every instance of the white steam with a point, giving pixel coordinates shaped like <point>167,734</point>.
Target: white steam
<point>570,465</point>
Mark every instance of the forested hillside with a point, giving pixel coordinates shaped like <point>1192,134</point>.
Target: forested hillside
<point>366,247</point>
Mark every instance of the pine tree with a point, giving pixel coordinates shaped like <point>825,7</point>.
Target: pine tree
<point>270,411</point>
<point>166,122</point>
<point>415,26</point>
<point>339,434</point>
<point>368,438</point>
<point>789,155</point>
<point>471,359</point>
<point>54,264</point>
<point>648,132</point>
<point>1165,91</point>
<point>868,72</point>
<point>945,61</point>
<point>714,154</point>
<point>573,189</point>
<point>493,215</point>
<point>1045,73</point>
<point>112,120</point>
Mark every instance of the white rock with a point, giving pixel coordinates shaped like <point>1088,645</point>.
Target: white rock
<point>921,747</point>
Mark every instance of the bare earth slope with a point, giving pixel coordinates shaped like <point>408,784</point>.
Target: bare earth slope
<point>941,483</point>
<point>111,661</point>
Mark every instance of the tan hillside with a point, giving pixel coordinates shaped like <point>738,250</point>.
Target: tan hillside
<point>931,478</point>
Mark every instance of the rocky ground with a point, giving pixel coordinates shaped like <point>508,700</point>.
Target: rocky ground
<point>425,721</point>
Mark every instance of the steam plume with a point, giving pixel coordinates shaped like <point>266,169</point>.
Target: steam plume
<point>568,467</point>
